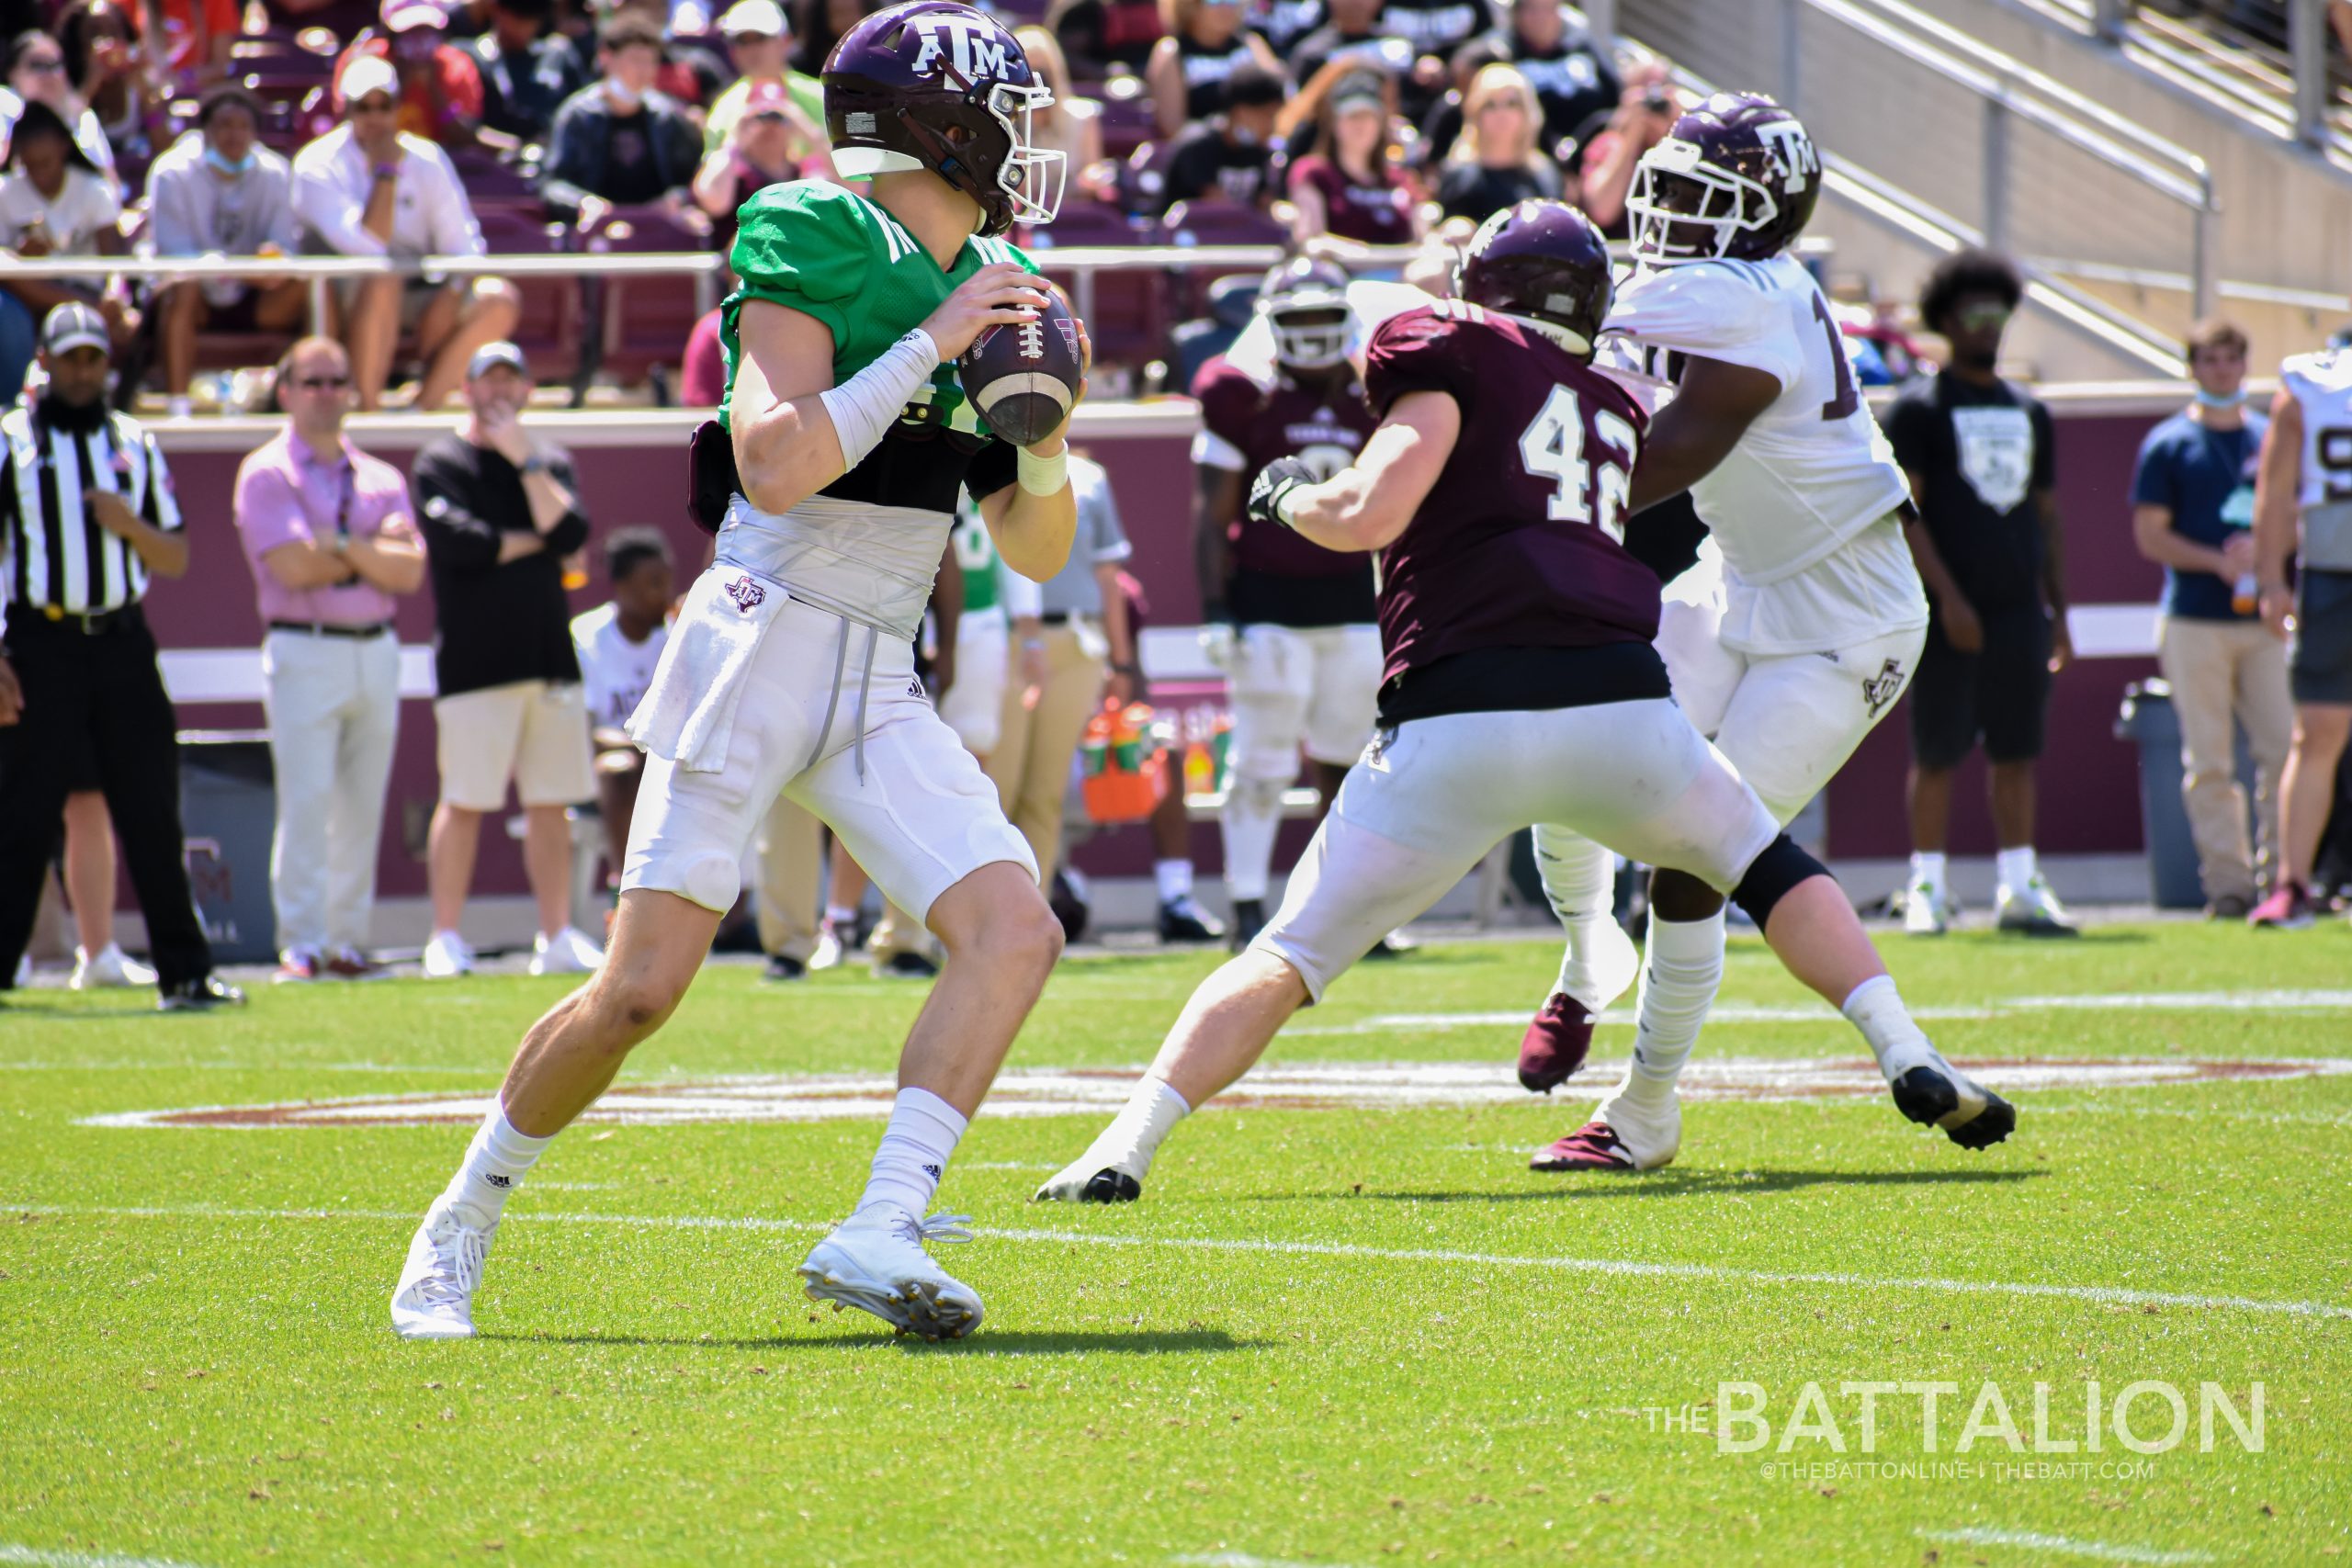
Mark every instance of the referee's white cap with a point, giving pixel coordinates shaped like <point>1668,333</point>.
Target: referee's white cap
<point>74,325</point>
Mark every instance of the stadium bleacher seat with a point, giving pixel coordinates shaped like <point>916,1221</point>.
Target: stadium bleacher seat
<point>549,331</point>
<point>1126,116</point>
<point>634,326</point>
<point>1128,320</point>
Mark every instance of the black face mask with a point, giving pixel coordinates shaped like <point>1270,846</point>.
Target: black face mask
<point>80,418</point>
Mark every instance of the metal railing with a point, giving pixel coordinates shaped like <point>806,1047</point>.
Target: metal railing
<point>2012,93</point>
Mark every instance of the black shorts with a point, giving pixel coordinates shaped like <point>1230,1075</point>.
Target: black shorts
<point>2319,665</point>
<point>1999,693</point>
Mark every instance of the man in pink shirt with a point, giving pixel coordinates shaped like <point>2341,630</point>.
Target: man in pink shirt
<point>330,537</point>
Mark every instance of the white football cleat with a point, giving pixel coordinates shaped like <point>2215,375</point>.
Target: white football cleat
<point>108,969</point>
<point>568,952</point>
<point>447,956</point>
<point>1092,1177</point>
<point>435,1299</point>
<point>1925,913</point>
<point>2032,910</point>
<point>875,1262</point>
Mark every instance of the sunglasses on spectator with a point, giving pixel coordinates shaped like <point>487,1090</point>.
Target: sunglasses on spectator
<point>323,383</point>
<point>44,66</point>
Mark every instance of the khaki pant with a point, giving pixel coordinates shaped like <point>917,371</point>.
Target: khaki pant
<point>334,706</point>
<point>1031,763</point>
<point>792,860</point>
<point>2220,670</point>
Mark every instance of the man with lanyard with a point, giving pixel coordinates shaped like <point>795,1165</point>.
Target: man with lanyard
<point>86,520</point>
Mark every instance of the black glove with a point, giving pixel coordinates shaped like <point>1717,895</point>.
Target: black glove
<point>1275,481</point>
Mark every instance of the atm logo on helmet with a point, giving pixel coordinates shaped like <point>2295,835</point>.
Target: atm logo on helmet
<point>973,48</point>
<point>1799,160</point>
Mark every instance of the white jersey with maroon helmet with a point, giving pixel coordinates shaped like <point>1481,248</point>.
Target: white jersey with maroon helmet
<point>2322,385</point>
<point>1809,476</point>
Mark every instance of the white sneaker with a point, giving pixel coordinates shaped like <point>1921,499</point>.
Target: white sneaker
<point>1926,911</point>
<point>109,970</point>
<point>447,956</point>
<point>875,1262</point>
<point>568,952</point>
<point>435,1299</point>
<point>2032,910</point>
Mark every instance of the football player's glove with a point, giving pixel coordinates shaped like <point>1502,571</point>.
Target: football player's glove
<point>1273,483</point>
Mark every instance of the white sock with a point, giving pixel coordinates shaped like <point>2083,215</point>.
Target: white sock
<point>1175,879</point>
<point>1682,970</point>
<point>1150,1113</point>
<point>1928,870</point>
<point>2015,868</point>
<point>1580,883</point>
<point>840,916</point>
<point>1252,816</point>
<point>912,1155</point>
<point>494,1166</point>
<point>1876,1008</point>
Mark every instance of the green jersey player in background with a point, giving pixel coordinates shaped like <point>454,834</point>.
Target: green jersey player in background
<point>791,666</point>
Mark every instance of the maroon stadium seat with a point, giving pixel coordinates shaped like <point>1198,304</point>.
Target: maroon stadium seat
<point>639,326</point>
<point>549,332</point>
<point>1211,220</point>
<point>1126,116</point>
<point>1128,322</point>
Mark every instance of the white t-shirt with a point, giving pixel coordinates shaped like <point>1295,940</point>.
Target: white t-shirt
<point>84,205</point>
<point>614,672</point>
<point>1811,475</point>
<point>431,217</point>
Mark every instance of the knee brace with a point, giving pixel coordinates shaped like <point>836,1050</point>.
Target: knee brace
<point>1256,797</point>
<point>1772,875</point>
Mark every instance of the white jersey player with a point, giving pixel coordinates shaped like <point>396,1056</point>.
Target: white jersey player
<point>1802,622</point>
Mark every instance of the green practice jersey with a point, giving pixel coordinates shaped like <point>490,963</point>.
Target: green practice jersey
<point>832,254</point>
<point>976,553</point>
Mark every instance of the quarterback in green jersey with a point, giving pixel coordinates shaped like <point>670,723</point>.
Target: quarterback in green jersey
<point>791,668</point>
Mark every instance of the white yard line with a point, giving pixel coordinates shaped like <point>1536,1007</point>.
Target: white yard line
<point>2064,1546</point>
<point>1243,1559</point>
<point>34,1557</point>
<point>2106,1295</point>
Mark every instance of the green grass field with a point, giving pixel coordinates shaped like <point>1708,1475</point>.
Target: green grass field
<point>1326,1337</point>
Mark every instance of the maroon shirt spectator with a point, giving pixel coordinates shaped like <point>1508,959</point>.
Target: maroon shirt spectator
<point>702,376</point>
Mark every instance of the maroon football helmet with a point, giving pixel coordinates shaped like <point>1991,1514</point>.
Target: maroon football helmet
<point>1305,302</point>
<point>935,84</point>
<point>1545,260</point>
<point>1735,179</point>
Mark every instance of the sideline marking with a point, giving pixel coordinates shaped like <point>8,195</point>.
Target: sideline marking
<point>2064,1546</point>
<point>1297,1086</point>
<point>2115,1295</point>
<point>34,1557</point>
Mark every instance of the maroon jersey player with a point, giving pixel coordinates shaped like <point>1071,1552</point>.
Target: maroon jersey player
<point>1521,686</point>
<point>1289,622</point>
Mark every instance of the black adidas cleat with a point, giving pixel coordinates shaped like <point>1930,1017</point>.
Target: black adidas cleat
<point>1940,1095</point>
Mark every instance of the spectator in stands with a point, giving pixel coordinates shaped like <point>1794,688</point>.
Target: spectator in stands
<point>759,41</point>
<point>1059,673</point>
<point>1072,124</point>
<point>1434,30</point>
<point>1575,82</point>
<point>200,36</point>
<point>769,142</point>
<point>1105,38</point>
<point>1646,110</point>
<point>1187,72</point>
<point>367,188</point>
<point>1350,32</point>
<point>332,541</point>
<point>621,141</point>
<point>1496,162</point>
<point>2192,514</point>
<point>618,643</point>
<point>1441,125</point>
<point>1230,155</point>
<point>217,191</point>
<point>36,74</point>
<point>440,87</point>
<point>1346,193</point>
<point>528,69</point>
<point>343,18</point>
<point>52,203</point>
<point>691,74</point>
<point>500,511</point>
<point>1978,451</point>
<point>102,60</point>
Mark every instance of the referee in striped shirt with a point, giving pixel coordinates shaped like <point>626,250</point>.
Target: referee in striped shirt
<point>86,520</point>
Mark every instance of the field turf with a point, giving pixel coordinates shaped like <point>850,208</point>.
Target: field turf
<point>1324,1336</point>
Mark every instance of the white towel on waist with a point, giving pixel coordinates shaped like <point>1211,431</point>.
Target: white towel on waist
<point>688,714</point>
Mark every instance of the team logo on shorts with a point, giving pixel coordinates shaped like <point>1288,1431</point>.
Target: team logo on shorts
<point>1884,687</point>
<point>748,595</point>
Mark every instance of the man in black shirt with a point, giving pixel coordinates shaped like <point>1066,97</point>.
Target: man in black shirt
<point>1573,80</point>
<point>1978,453</point>
<point>500,513</point>
<point>88,520</point>
<point>1230,156</point>
<point>620,139</point>
<point>528,69</point>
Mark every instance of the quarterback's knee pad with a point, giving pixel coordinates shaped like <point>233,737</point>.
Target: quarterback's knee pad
<point>1255,797</point>
<point>1770,878</point>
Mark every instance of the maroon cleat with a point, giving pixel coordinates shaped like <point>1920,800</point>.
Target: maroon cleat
<point>1594,1146</point>
<point>1555,1044</point>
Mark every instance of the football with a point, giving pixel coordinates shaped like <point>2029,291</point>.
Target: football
<point>1023,377</point>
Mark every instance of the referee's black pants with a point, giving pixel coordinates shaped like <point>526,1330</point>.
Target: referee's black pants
<point>95,699</point>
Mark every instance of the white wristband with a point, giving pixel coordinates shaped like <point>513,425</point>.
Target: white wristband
<point>1042,476</point>
<point>864,407</point>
